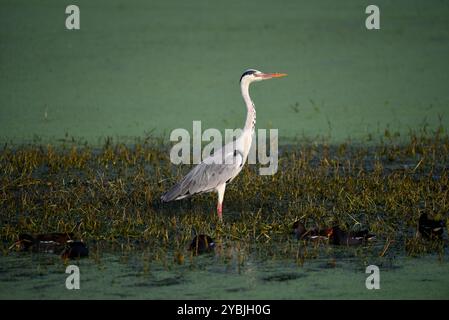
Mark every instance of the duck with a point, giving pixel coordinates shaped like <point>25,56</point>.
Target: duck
<point>46,242</point>
<point>55,242</point>
<point>335,235</point>
<point>430,229</point>
<point>75,249</point>
<point>301,233</point>
<point>202,244</point>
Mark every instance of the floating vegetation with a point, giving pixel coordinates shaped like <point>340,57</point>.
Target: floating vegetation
<point>112,195</point>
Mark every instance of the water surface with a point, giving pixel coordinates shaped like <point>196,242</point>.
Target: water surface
<point>138,66</point>
<point>340,274</point>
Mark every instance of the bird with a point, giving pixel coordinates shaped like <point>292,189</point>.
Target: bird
<point>301,233</point>
<point>430,229</point>
<point>220,168</point>
<point>335,235</point>
<point>55,242</point>
<point>202,244</point>
<point>46,242</point>
<point>75,249</point>
<point>339,237</point>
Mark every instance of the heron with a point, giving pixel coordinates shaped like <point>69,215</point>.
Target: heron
<point>220,168</point>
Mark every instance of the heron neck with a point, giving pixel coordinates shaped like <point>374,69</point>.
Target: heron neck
<point>251,110</point>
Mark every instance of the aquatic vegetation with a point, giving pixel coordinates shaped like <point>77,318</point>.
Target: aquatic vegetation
<point>112,195</point>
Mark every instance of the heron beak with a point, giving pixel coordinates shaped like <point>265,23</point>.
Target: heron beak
<point>272,75</point>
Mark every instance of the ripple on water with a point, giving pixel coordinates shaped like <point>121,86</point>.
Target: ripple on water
<point>281,277</point>
<point>166,282</point>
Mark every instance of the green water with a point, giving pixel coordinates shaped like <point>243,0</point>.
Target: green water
<point>123,275</point>
<point>136,67</point>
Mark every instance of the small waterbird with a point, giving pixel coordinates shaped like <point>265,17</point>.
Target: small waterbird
<point>430,229</point>
<point>75,249</point>
<point>202,244</point>
<point>301,233</point>
<point>58,243</point>
<point>45,242</point>
<point>335,235</point>
<point>339,237</point>
<point>219,169</point>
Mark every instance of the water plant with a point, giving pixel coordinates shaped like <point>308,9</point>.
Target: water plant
<point>110,194</point>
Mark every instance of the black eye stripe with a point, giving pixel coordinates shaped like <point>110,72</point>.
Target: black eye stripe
<point>248,72</point>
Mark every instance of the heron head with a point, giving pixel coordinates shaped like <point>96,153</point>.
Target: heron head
<point>252,75</point>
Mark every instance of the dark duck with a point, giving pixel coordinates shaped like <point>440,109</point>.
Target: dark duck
<point>335,235</point>
<point>75,249</point>
<point>58,243</point>
<point>338,236</point>
<point>430,229</point>
<point>202,244</point>
<point>301,233</point>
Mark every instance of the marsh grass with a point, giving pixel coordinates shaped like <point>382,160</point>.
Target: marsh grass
<point>110,197</point>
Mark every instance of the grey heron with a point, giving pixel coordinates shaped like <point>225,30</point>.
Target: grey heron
<point>220,168</point>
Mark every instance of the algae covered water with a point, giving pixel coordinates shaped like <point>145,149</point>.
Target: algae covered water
<point>153,66</point>
<point>126,276</point>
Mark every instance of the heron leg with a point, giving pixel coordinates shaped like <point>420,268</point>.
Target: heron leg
<point>220,211</point>
<point>221,191</point>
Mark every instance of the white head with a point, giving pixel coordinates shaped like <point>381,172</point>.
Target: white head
<point>252,75</point>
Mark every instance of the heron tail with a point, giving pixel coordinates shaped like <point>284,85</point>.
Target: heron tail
<point>175,193</point>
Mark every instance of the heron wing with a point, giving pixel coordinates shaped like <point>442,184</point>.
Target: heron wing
<point>206,176</point>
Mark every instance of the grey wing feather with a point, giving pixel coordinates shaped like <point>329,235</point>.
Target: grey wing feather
<point>205,177</point>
